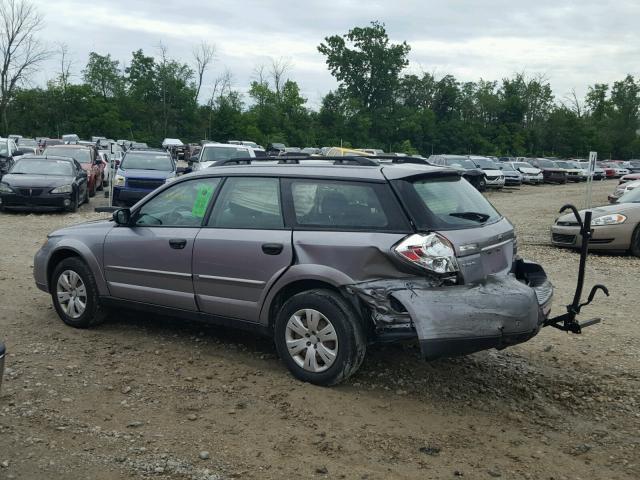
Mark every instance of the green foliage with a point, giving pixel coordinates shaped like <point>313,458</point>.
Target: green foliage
<point>376,105</point>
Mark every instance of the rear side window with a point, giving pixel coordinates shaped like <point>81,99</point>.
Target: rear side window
<point>251,203</point>
<point>445,203</point>
<point>345,206</point>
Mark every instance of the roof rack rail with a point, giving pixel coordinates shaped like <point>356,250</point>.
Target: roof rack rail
<point>288,160</point>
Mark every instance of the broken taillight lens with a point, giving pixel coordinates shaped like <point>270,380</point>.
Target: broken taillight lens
<point>430,251</point>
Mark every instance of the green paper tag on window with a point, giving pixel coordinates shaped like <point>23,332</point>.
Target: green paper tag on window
<point>205,192</point>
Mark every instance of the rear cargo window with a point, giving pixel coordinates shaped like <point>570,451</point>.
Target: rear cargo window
<point>445,203</point>
<point>345,206</point>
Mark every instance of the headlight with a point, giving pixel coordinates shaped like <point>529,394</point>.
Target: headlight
<point>4,188</point>
<point>63,189</point>
<point>614,219</point>
<point>430,251</point>
<point>119,181</point>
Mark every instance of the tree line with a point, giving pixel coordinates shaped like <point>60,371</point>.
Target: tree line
<point>376,105</point>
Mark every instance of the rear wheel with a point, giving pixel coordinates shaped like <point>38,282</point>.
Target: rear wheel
<point>319,337</point>
<point>482,185</point>
<point>75,294</point>
<point>634,248</point>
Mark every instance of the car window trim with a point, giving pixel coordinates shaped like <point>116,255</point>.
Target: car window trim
<point>292,221</point>
<point>218,193</point>
<point>156,193</point>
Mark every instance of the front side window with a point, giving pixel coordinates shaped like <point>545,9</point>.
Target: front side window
<point>344,206</point>
<point>251,203</point>
<point>182,205</point>
<point>445,203</point>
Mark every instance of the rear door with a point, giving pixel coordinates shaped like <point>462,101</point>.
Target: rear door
<point>242,250</point>
<point>150,261</point>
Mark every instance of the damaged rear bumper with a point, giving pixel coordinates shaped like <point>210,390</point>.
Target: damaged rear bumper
<point>451,320</point>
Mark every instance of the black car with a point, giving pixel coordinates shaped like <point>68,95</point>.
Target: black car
<point>48,183</point>
<point>474,175</point>
<point>551,172</point>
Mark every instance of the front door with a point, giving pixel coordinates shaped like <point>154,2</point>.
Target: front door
<point>242,250</point>
<point>150,261</point>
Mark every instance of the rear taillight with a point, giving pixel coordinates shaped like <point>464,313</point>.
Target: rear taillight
<point>430,251</point>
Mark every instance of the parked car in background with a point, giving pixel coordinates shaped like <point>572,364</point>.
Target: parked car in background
<point>574,173</point>
<point>633,166</point>
<point>492,172</point>
<point>621,189</point>
<point>512,177</point>
<point>14,137</point>
<point>51,183</point>
<point>613,170</point>
<point>70,138</point>
<point>530,174</point>
<point>373,151</point>
<point>550,170</point>
<point>9,153</point>
<point>474,175</point>
<point>88,157</point>
<point>629,178</point>
<point>49,142</point>
<point>312,151</point>
<point>138,146</point>
<point>28,145</point>
<point>615,227</point>
<point>214,152</point>
<point>275,148</point>
<point>140,173</point>
<point>324,259</point>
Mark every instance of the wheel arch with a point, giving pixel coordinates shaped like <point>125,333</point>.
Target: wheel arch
<point>81,251</point>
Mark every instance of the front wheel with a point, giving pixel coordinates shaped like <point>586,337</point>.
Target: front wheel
<point>482,185</point>
<point>634,248</point>
<point>319,337</point>
<point>75,294</point>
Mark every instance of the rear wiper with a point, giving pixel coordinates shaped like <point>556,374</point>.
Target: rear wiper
<point>475,216</point>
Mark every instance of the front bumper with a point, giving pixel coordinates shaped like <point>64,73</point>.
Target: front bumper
<point>513,181</point>
<point>41,202</point>
<point>532,179</point>
<point>453,320</point>
<point>495,182</point>
<point>607,237</point>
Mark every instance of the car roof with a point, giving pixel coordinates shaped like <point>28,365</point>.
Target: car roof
<point>156,151</point>
<point>378,173</point>
<point>225,145</point>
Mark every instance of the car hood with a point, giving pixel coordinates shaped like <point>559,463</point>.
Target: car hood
<point>84,227</point>
<point>598,212</point>
<point>529,171</point>
<point>491,171</point>
<point>138,173</point>
<point>38,181</point>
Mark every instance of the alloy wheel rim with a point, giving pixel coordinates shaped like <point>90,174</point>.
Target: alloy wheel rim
<point>72,294</point>
<point>311,340</point>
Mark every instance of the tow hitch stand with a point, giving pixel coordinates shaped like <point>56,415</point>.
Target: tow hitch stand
<point>567,321</point>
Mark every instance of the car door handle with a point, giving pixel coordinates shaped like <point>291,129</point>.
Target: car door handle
<point>272,248</point>
<point>177,243</point>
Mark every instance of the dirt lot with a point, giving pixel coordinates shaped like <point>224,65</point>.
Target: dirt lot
<point>144,397</point>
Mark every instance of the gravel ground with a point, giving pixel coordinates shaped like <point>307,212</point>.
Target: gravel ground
<point>145,397</point>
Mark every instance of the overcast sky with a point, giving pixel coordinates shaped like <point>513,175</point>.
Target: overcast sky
<point>574,44</point>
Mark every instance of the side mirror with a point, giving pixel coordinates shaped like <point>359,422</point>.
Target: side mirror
<point>122,217</point>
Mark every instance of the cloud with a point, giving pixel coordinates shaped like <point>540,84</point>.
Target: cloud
<point>574,44</point>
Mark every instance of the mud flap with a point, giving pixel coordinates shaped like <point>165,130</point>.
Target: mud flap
<point>460,319</point>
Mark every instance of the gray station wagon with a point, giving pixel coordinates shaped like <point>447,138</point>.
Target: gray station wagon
<point>325,257</point>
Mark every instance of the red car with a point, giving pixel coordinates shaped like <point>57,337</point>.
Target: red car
<point>88,157</point>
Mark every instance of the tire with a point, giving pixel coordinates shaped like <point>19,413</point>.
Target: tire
<point>74,204</point>
<point>72,313</point>
<point>337,319</point>
<point>634,248</point>
<point>482,185</point>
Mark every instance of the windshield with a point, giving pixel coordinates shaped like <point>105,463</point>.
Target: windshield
<point>632,196</point>
<point>547,164</point>
<point>507,167</point>
<point>460,162</point>
<point>446,203</point>
<point>523,165</point>
<point>43,167</point>
<point>565,165</point>
<point>485,164</point>
<point>82,155</point>
<point>213,154</point>
<point>141,161</point>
